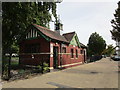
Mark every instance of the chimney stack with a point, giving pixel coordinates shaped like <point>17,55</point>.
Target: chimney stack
<point>59,26</point>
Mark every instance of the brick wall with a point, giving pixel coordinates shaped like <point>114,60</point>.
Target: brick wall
<point>35,58</point>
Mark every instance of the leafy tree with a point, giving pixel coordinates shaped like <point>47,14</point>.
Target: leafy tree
<point>17,16</point>
<point>96,44</point>
<point>116,24</point>
<point>116,28</point>
<point>109,50</point>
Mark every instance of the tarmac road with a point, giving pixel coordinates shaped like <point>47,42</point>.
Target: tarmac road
<point>99,74</point>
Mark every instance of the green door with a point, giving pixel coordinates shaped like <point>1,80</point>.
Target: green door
<point>55,57</point>
<point>84,56</point>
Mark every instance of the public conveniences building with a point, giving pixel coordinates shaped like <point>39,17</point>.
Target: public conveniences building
<point>40,44</point>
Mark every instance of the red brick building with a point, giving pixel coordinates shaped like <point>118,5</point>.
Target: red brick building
<point>41,44</point>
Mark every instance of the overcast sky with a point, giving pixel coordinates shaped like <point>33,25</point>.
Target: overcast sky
<point>86,18</point>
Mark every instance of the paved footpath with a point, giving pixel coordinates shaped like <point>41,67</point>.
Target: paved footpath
<point>99,74</point>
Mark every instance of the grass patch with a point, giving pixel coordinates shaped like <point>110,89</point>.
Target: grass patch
<point>14,61</point>
<point>15,58</point>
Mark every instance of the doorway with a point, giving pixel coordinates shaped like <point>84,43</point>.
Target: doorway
<point>55,57</point>
<point>84,57</point>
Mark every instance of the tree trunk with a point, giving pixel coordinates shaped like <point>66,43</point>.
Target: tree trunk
<point>3,64</point>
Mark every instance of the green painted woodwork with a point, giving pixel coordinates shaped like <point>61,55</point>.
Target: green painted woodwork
<point>78,42</point>
<point>75,41</point>
<point>41,34</point>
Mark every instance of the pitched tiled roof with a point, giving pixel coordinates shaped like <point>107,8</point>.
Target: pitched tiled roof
<point>51,34</point>
<point>69,36</point>
<point>83,46</point>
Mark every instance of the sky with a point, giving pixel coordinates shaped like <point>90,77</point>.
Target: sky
<point>85,18</point>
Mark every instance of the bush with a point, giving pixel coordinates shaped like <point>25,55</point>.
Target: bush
<point>45,67</point>
<point>39,68</point>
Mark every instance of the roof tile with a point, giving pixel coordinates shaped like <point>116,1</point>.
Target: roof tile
<point>51,34</point>
<point>69,36</point>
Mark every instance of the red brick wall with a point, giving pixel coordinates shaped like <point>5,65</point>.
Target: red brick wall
<point>66,57</point>
<point>28,60</point>
<point>43,54</point>
<point>45,48</point>
<point>44,45</point>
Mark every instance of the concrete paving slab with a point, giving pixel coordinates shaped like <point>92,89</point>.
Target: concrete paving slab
<point>99,74</point>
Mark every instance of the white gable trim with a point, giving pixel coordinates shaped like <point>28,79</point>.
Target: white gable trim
<point>32,33</point>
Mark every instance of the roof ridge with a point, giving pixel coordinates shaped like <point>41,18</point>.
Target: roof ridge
<point>44,28</point>
<point>50,33</point>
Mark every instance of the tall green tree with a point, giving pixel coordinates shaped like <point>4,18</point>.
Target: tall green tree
<point>17,16</point>
<point>96,44</point>
<point>116,24</point>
